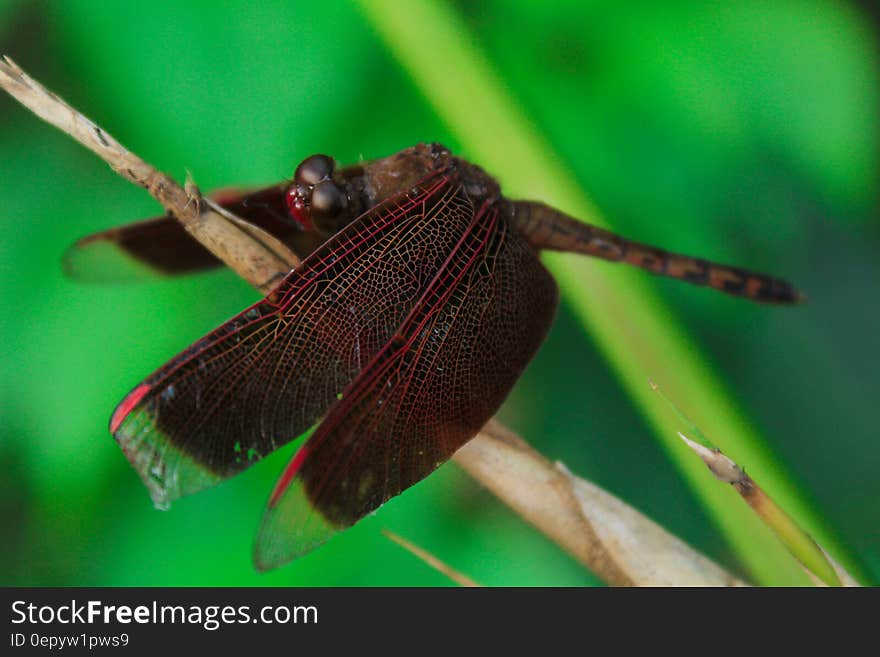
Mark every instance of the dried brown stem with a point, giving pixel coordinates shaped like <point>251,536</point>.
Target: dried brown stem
<point>431,560</point>
<point>619,544</point>
<point>614,540</point>
<point>253,257</point>
<point>818,564</point>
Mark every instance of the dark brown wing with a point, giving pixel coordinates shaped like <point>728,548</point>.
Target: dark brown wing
<point>265,376</point>
<point>161,247</point>
<point>444,373</point>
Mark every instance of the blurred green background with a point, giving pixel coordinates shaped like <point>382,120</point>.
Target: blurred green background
<point>744,132</point>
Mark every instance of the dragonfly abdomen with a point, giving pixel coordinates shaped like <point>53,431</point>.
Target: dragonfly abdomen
<point>547,228</point>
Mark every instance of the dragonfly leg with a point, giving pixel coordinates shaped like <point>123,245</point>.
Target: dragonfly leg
<point>547,228</point>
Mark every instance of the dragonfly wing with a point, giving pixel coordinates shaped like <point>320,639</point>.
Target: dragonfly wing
<point>443,374</point>
<point>265,376</point>
<point>137,251</point>
<point>161,247</point>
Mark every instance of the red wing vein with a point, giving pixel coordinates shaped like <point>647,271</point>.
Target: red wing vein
<point>268,373</point>
<point>350,283</point>
<point>394,360</point>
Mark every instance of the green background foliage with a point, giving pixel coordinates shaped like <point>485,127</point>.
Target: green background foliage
<point>746,133</point>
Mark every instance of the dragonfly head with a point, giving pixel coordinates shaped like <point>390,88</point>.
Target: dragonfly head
<point>317,199</point>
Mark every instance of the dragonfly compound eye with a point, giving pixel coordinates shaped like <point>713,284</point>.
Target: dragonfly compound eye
<point>314,169</point>
<point>314,172</point>
<point>327,206</point>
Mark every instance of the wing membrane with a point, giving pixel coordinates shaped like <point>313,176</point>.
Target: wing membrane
<point>161,246</point>
<point>265,376</point>
<point>442,375</point>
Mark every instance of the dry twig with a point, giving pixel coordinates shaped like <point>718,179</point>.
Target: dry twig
<point>622,546</point>
<point>253,255</point>
<point>619,544</point>
<point>431,560</point>
<point>821,568</point>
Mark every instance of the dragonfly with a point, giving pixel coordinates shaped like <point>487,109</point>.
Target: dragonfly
<point>419,301</point>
